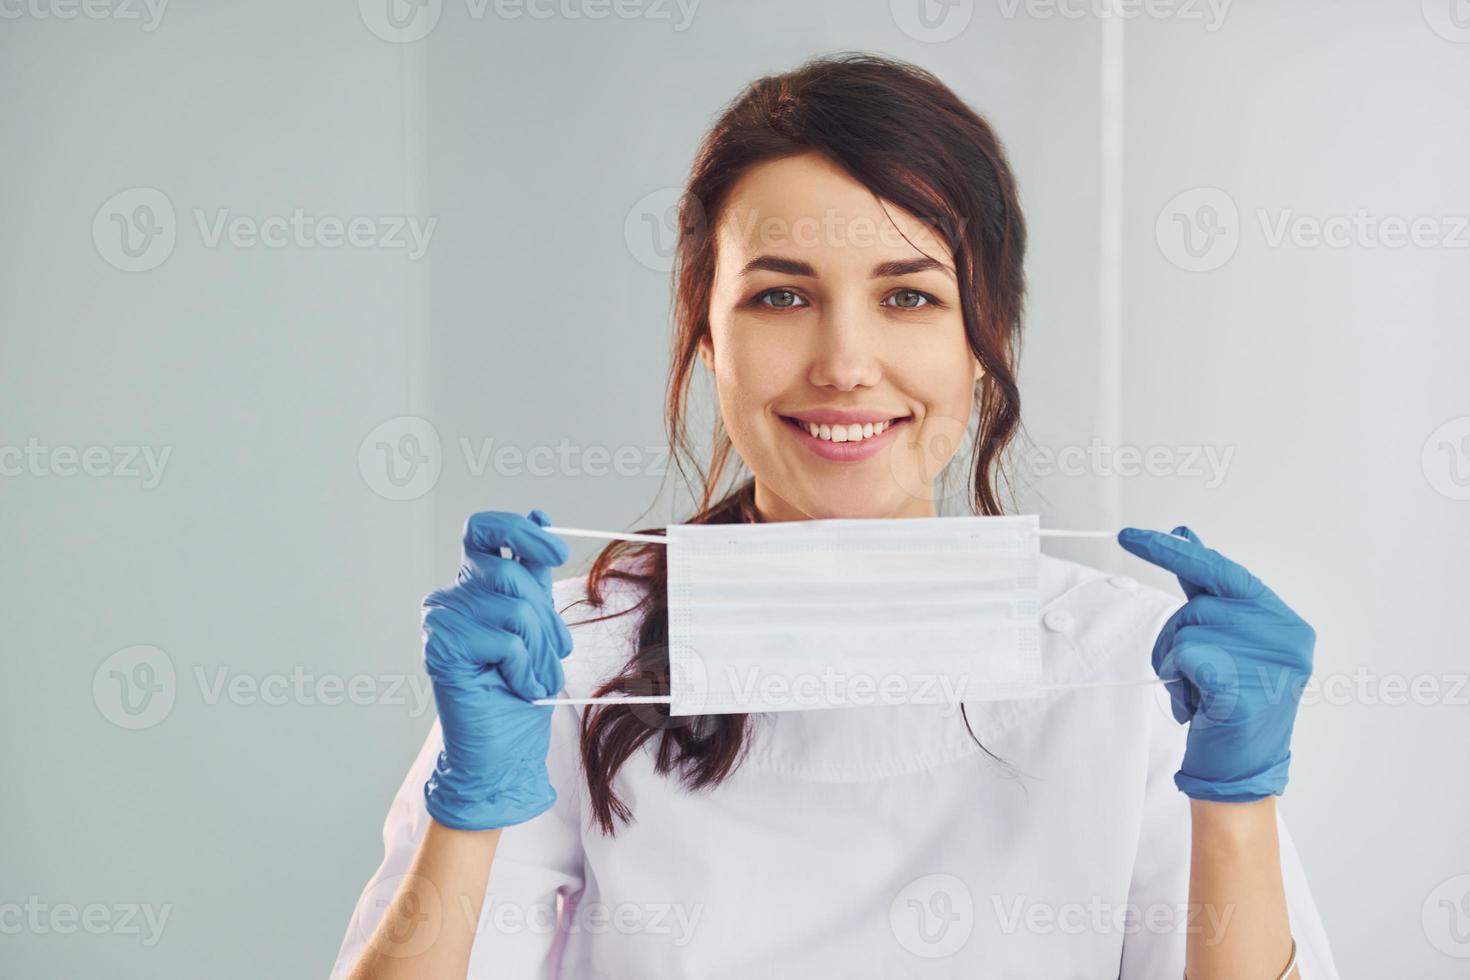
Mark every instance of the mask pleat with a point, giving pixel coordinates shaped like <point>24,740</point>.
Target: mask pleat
<point>757,611</point>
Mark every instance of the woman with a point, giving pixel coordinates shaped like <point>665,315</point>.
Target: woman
<point>850,273</point>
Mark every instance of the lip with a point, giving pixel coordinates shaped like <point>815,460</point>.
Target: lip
<point>843,452</point>
<point>843,416</point>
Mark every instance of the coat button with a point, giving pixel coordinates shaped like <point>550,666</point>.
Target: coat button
<point>1124,582</point>
<point>1057,620</point>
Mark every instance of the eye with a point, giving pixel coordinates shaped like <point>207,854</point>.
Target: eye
<point>781,299</point>
<point>911,299</point>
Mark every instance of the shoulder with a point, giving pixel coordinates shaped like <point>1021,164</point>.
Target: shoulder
<point>1097,629</point>
<point>1100,611</point>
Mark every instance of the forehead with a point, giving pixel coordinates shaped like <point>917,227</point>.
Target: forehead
<point>809,205</point>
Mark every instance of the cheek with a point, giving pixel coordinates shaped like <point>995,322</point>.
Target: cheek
<point>940,372</point>
<point>752,367</point>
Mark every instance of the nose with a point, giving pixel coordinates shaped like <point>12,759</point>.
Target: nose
<point>847,350</point>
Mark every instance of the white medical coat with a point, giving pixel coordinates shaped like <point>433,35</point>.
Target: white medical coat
<point>867,842</point>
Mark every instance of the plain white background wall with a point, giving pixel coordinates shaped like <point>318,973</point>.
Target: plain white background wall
<point>1326,369</point>
<point>260,555</point>
<point>302,390</point>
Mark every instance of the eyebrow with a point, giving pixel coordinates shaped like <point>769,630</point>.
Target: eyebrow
<point>883,270</point>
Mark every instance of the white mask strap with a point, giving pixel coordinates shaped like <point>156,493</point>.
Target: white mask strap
<point>582,532</point>
<point>666,699</point>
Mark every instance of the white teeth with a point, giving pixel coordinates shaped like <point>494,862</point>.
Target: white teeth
<point>846,433</point>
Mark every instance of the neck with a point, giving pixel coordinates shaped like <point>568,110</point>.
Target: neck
<point>772,507</point>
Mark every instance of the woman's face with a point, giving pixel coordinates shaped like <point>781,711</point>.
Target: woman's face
<point>823,315</point>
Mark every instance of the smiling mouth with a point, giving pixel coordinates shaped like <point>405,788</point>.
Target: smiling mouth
<point>851,433</point>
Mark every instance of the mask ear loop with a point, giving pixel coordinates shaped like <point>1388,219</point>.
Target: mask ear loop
<point>667,699</point>
<point>582,532</point>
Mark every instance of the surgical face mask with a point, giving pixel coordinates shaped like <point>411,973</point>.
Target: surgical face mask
<point>846,612</point>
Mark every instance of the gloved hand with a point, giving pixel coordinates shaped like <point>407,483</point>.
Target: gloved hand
<point>493,642</point>
<point>1239,657</point>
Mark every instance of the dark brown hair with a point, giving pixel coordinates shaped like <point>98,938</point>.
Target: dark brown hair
<point>904,135</point>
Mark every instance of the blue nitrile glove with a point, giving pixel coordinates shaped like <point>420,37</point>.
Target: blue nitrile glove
<point>1243,657</point>
<point>493,642</point>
